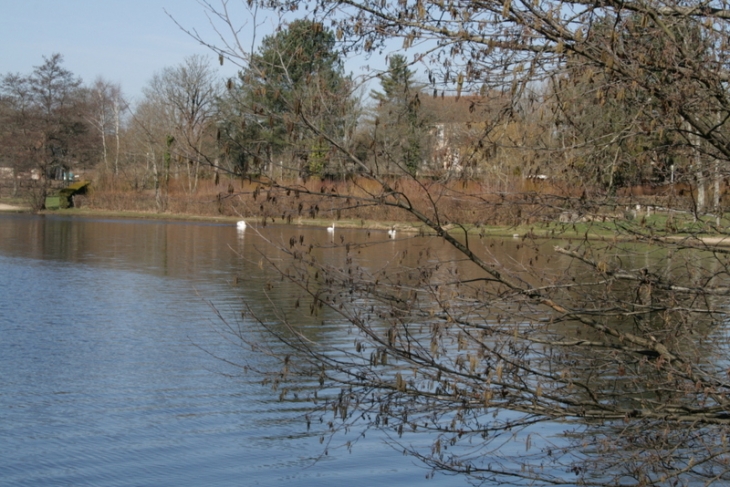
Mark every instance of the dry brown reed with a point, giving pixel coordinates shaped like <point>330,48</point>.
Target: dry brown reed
<point>356,199</point>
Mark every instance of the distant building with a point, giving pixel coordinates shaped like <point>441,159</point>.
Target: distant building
<point>459,125</point>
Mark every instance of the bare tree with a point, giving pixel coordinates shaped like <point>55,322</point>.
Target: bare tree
<point>108,107</point>
<point>46,127</point>
<point>617,344</point>
<point>148,132</point>
<point>186,94</point>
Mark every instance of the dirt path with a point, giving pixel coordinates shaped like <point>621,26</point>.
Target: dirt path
<point>4,207</point>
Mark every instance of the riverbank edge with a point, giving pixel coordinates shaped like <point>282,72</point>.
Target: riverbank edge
<point>405,227</point>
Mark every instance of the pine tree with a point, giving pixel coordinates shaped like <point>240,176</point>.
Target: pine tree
<point>399,110</point>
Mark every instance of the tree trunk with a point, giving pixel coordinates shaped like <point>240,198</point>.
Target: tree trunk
<point>116,135</point>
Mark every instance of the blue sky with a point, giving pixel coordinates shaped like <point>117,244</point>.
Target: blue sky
<point>122,41</point>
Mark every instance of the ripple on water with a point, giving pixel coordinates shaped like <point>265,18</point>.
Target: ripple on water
<point>105,379</point>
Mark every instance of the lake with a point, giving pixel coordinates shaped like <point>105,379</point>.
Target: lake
<point>113,364</point>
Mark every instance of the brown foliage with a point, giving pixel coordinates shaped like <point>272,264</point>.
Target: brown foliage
<point>459,201</point>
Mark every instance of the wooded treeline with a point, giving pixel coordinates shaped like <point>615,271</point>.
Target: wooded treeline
<point>559,119</point>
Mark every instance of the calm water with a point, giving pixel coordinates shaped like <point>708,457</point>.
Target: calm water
<point>108,368</point>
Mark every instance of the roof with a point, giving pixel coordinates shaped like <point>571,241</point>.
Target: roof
<point>463,109</point>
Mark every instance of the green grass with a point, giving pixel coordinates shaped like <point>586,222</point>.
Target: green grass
<point>9,200</point>
<point>660,225</point>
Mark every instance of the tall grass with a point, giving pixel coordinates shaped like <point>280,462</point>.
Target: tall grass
<point>463,201</point>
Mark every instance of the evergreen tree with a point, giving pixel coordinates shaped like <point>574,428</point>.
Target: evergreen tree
<point>397,83</point>
<point>399,113</point>
<point>293,88</point>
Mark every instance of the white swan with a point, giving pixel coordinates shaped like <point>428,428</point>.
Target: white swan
<point>391,233</point>
<point>241,225</point>
<point>332,228</point>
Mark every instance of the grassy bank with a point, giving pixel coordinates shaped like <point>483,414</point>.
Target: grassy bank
<point>574,231</point>
<point>463,206</point>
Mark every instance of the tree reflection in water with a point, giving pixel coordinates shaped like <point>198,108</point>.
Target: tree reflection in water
<point>530,361</point>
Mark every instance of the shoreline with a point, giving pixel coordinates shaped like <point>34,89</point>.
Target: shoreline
<point>141,215</point>
<point>409,228</point>
<point>405,227</point>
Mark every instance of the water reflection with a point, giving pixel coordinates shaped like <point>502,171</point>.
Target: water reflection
<point>116,371</point>
<point>469,347</point>
<point>110,361</point>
